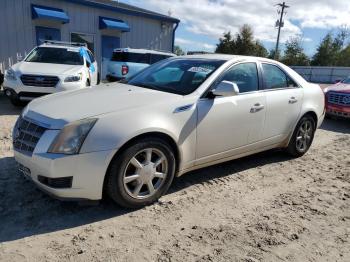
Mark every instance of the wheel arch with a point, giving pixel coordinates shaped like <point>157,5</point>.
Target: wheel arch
<point>155,134</point>
<point>312,114</point>
<point>307,112</point>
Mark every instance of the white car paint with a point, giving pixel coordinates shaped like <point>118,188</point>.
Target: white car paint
<point>206,132</point>
<point>49,69</point>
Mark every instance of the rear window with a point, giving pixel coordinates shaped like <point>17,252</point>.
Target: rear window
<point>138,57</point>
<point>156,58</point>
<point>130,57</point>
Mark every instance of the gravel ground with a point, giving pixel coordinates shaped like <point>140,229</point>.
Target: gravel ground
<point>266,207</point>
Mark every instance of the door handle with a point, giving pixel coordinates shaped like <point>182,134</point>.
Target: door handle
<point>256,108</point>
<point>293,100</point>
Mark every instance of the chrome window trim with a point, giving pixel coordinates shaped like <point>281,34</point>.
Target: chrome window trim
<point>213,83</point>
<point>280,68</point>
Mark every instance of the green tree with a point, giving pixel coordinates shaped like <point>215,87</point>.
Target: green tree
<point>344,57</point>
<point>225,45</point>
<point>243,43</point>
<point>178,50</point>
<point>325,53</point>
<point>294,53</point>
<point>272,52</point>
<point>330,50</point>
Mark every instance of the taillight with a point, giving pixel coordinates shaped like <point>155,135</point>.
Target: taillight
<point>125,70</point>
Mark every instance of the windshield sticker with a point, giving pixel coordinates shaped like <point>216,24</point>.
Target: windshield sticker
<point>200,70</point>
<point>73,50</point>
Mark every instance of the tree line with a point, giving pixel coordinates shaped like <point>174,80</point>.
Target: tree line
<point>333,50</point>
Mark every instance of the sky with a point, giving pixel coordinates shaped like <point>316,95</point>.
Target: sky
<point>203,22</point>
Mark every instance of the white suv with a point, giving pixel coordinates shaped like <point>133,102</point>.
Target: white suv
<point>49,68</point>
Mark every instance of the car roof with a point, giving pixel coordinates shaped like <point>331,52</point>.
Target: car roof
<point>143,51</point>
<point>227,57</point>
<point>76,48</point>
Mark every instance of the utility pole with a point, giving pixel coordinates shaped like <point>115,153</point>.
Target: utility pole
<point>280,24</point>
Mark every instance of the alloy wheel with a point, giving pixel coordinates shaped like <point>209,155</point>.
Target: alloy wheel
<point>145,173</point>
<point>304,136</point>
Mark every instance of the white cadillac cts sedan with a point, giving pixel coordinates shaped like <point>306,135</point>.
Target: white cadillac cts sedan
<point>129,140</point>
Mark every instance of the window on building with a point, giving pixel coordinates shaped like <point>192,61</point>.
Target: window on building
<point>84,38</point>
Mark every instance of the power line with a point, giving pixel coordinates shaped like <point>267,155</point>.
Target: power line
<point>280,24</point>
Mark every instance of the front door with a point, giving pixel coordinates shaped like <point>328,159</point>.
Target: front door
<point>228,125</point>
<point>108,43</point>
<point>46,33</point>
<point>284,99</point>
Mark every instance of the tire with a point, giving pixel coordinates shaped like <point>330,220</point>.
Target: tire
<point>128,181</point>
<point>17,103</point>
<point>301,141</point>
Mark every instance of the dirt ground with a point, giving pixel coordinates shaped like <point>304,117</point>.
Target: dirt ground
<point>266,207</point>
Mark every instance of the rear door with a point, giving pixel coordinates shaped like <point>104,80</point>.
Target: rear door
<point>283,102</point>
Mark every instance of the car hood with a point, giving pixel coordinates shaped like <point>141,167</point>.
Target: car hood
<point>59,109</point>
<point>45,69</point>
<point>340,87</point>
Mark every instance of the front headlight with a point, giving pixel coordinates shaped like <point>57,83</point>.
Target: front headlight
<point>10,74</point>
<point>76,78</point>
<point>71,137</point>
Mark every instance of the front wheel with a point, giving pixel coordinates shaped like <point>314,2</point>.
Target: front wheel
<point>142,173</point>
<point>303,136</point>
<point>17,103</point>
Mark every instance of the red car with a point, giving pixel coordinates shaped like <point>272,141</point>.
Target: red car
<point>338,99</point>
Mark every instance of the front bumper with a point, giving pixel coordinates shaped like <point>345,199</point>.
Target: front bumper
<point>111,78</point>
<point>340,111</point>
<point>87,171</point>
<point>27,93</point>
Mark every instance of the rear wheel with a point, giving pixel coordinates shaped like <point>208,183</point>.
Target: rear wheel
<point>303,136</point>
<point>142,173</point>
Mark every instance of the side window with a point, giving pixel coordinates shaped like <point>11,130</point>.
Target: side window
<point>276,78</point>
<point>245,75</point>
<point>156,58</point>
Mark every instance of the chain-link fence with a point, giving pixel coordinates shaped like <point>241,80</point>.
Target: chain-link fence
<point>322,74</point>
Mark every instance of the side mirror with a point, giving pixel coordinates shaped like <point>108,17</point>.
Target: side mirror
<point>337,81</point>
<point>226,88</point>
<point>88,64</point>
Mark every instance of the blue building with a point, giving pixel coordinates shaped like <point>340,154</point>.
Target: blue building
<point>103,24</point>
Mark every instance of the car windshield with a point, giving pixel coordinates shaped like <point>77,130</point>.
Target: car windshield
<point>346,80</point>
<point>53,55</point>
<point>179,76</point>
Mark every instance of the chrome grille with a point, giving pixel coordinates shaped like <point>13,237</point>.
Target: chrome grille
<point>26,135</point>
<point>342,99</point>
<point>39,80</point>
